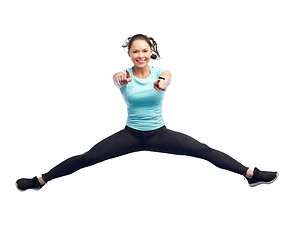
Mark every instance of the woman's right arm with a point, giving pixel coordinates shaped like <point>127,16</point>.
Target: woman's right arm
<point>116,79</point>
<point>121,79</point>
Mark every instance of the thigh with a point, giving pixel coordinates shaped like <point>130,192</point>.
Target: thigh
<point>120,143</point>
<point>173,142</point>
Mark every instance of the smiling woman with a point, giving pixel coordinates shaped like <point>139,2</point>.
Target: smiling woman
<point>143,88</point>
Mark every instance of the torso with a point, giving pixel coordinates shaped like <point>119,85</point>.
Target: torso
<point>144,103</point>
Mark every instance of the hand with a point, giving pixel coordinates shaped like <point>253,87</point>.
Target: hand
<point>159,84</point>
<point>124,78</point>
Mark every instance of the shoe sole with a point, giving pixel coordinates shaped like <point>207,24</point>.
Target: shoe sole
<point>258,183</point>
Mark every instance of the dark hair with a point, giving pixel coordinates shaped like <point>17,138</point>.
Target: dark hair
<point>152,43</point>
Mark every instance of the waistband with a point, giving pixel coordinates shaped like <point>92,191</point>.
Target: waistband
<point>140,131</point>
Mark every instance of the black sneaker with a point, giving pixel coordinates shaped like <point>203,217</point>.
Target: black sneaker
<point>262,177</point>
<point>25,183</point>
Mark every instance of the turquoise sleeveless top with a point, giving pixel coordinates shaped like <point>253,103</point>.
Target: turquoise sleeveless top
<point>144,103</point>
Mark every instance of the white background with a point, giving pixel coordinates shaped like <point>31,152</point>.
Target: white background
<point>232,64</point>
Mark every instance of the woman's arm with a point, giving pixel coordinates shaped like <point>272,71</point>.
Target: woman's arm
<point>167,75</point>
<point>161,84</point>
<point>116,79</point>
<point>121,79</point>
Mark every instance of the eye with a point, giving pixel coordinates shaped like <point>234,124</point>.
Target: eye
<point>135,51</point>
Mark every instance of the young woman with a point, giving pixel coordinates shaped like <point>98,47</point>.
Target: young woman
<point>143,88</point>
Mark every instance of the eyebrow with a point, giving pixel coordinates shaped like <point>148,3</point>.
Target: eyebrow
<point>135,49</point>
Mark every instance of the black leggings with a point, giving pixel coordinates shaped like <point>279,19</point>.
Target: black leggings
<point>130,140</point>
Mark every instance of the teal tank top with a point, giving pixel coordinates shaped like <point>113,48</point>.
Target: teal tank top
<point>144,103</point>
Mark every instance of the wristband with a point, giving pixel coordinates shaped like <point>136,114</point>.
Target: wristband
<point>162,78</point>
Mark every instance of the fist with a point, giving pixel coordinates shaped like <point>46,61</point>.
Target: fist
<point>159,84</point>
<point>124,78</point>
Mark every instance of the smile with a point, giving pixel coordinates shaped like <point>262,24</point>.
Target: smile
<point>140,61</point>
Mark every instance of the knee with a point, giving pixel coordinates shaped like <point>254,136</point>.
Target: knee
<point>87,158</point>
<point>202,150</point>
<point>92,157</point>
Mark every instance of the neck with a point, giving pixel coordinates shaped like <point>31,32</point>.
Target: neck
<point>141,72</point>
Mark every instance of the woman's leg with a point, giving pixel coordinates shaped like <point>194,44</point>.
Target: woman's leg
<point>118,144</point>
<point>169,141</point>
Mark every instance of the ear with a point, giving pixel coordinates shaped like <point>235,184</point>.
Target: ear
<point>129,53</point>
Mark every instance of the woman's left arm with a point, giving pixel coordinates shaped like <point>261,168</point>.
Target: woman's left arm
<point>161,84</point>
<point>167,75</point>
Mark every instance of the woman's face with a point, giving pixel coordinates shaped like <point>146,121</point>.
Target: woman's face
<point>140,53</point>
